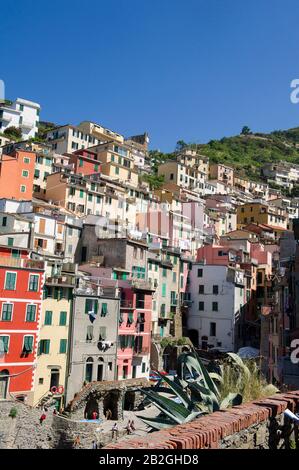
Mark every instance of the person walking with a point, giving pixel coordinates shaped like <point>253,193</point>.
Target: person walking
<point>42,418</point>
<point>94,445</point>
<point>128,427</point>
<point>114,431</point>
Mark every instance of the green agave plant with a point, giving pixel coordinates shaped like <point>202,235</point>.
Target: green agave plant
<point>197,390</point>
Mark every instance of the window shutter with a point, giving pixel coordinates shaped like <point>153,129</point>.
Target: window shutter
<point>103,332</point>
<point>47,346</point>
<point>89,334</point>
<point>104,310</point>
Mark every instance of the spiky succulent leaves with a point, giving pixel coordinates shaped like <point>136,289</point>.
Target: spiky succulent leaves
<point>206,396</point>
<point>157,423</point>
<point>232,399</point>
<point>179,392</point>
<point>216,377</point>
<point>239,362</point>
<point>193,362</point>
<point>175,411</point>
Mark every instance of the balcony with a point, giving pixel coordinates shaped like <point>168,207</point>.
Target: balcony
<point>63,281</point>
<point>141,284</point>
<point>22,263</point>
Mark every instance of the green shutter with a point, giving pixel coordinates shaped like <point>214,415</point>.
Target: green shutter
<point>130,318</point>
<point>104,310</point>
<point>62,348</point>
<point>163,290</point>
<point>47,346</point>
<point>10,282</point>
<point>4,340</point>
<point>10,241</point>
<point>62,318</point>
<point>30,312</point>
<point>6,312</point>
<point>48,317</point>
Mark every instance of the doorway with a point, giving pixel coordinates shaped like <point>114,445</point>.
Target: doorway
<point>4,383</point>
<point>100,372</point>
<point>54,381</point>
<point>111,403</point>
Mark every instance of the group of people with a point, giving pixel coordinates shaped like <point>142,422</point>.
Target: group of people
<point>130,427</point>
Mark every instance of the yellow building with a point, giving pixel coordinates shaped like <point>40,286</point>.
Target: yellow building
<point>50,373</point>
<point>261,213</point>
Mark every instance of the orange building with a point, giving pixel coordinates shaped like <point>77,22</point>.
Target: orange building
<point>16,175</point>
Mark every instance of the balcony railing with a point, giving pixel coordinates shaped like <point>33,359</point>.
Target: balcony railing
<point>64,280</point>
<point>21,263</point>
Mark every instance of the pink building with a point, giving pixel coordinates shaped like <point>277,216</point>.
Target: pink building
<point>134,332</point>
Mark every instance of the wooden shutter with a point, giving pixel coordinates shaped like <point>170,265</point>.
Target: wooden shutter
<point>42,225</point>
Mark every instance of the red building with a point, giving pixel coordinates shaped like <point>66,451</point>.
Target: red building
<point>85,162</point>
<point>21,284</point>
<point>134,331</point>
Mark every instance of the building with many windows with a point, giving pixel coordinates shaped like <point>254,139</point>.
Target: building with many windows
<point>20,113</point>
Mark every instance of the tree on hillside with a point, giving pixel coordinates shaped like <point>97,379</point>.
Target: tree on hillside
<point>13,133</point>
<point>180,145</point>
<point>245,130</point>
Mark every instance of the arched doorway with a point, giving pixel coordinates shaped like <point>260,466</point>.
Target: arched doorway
<point>89,369</point>
<point>91,406</point>
<point>4,377</point>
<point>111,403</point>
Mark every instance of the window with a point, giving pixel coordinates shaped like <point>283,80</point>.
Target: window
<point>4,342</point>
<point>215,290</point>
<point>10,241</point>
<point>33,282</point>
<point>173,277</point>
<point>201,289</point>
<point>30,312</point>
<point>44,346</point>
<point>91,306</point>
<point>163,290</point>
<point>81,193</point>
<point>23,188</point>
<point>90,197</point>
<point>4,221</point>
<point>104,310</point>
<point>116,170</point>
<point>215,306</point>
<point>72,191</point>
<point>62,346</point>
<point>48,317</point>
<point>212,329</point>
<point>10,281</point>
<point>199,272</point>
<point>36,173</point>
<point>130,318</point>
<point>201,306</point>
<point>28,344</point>
<point>81,162</point>
<point>25,173</point>
<point>96,168</point>
<point>62,318</point>
<point>6,312</point>
<point>103,333</point>
<point>143,367</point>
<point>26,160</point>
<point>164,272</point>
<point>89,334</point>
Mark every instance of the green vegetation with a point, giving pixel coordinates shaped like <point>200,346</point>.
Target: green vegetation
<point>43,127</point>
<point>13,133</point>
<point>246,152</point>
<point>200,390</point>
<point>154,181</point>
<point>13,413</point>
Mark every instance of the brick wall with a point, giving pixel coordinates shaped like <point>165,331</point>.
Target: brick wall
<point>259,424</point>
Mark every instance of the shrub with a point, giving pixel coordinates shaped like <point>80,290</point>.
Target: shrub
<point>13,412</point>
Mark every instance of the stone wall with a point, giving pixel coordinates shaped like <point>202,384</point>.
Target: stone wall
<point>257,425</point>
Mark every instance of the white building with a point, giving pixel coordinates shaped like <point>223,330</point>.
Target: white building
<point>22,114</point>
<point>217,297</point>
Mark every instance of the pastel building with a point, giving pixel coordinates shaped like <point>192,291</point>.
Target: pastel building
<point>16,175</point>
<point>20,113</point>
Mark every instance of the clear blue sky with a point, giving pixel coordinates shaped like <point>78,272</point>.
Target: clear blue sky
<point>180,69</point>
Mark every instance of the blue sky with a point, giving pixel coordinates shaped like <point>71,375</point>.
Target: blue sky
<point>180,69</point>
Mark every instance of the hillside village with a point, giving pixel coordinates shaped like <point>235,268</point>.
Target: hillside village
<point>112,261</point>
